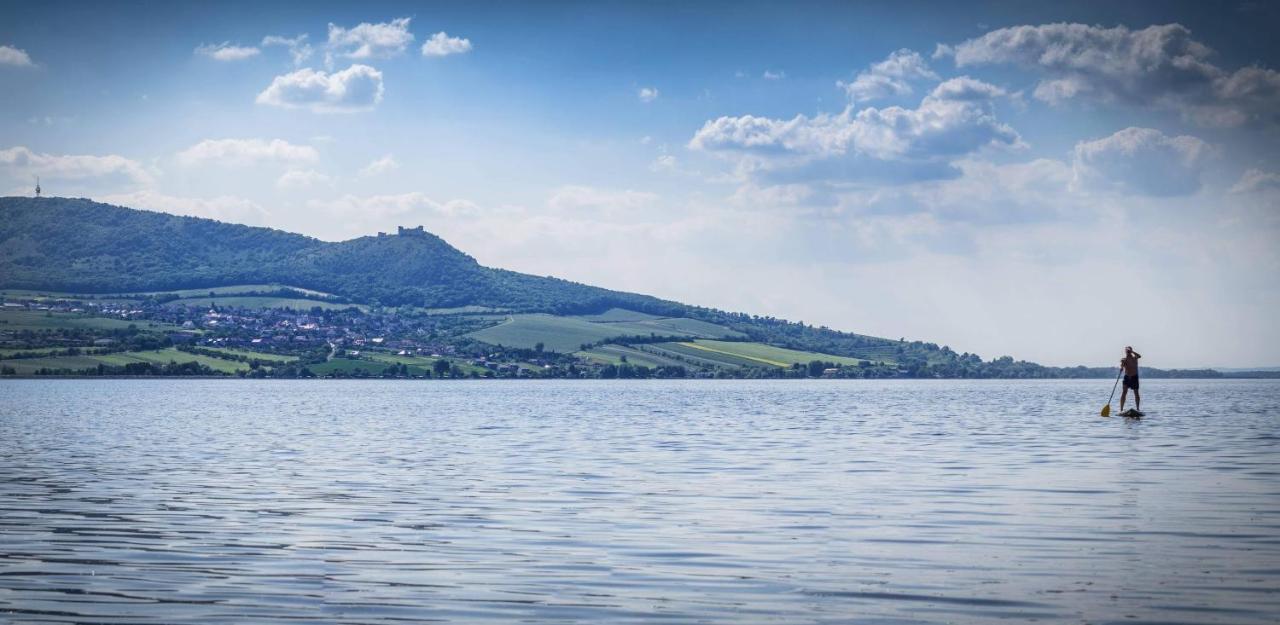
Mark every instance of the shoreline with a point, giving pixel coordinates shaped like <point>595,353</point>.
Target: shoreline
<point>538,379</point>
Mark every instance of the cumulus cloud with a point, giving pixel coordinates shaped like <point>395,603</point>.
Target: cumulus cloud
<point>1256,180</point>
<point>226,51</point>
<point>24,162</point>
<point>223,207</point>
<point>441,44</point>
<point>357,88</point>
<point>890,143</point>
<point>242,152</point>
<point>301,179</point>
<point>298,47</point>
<point>371,41</point>
<point>380,166</point>
<point>890,77</point>
<point>1142,161</point>
<point>647,94</point>
<point>1159,65</point>
<point>387,206</point>
<point>15,57</point>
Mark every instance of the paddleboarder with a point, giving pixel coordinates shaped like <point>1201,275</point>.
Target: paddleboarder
<point>1130,365</point>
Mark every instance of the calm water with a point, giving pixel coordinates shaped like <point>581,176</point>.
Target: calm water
<point>719,502</point>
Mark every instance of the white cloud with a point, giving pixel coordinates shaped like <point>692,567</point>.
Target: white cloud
<point>225,51</point>
<point>890,77</point>
<point>302,179</point>
<point>23,162</point>
<point>987,193</point>
<point>593,202</point>
<point>371,41</point>
<point>242,152</point>
<point>357,88</point>
<point>1256,180</point>
<point>223,208</point>
<point>1159,65</point>
<point>298,47</point>
<point>664,162</point>
<point>441,44</point>
<point>647,94</point>
<point>380,166</point>
<point>889,143</point>
<point>15,57</point>
<point>1142,161</point>
<point>381,207</point>
<point>772,75</point>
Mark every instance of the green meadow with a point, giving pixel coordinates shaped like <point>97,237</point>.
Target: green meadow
<point>235,289</point>
<point>613,355</point>
<point>263,356</point>
<point>255,302</point>
<point>37,320</point>
<point>568,334</point>
<point>743,354</point>
<point>28,366</point>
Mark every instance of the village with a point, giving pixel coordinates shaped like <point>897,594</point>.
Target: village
<point>327,339</point>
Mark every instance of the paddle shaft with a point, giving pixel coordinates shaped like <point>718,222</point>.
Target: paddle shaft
<point>1113,386</point>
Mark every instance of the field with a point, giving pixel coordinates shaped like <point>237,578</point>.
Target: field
<point>55,295</point>
<point>612,355</point>
<point>28,366</point>
<point>674,326</point>
<point>740,354</point>
<point>374,363</point>
<point>7,352</point>
<point>246,301</point>
<point>422,362</point>
<point>348,366</point>
<point>461,310</point>
<point>559,334</point>
<point>263,356</point>
<point>235,289</point>
<point>568,334</point>
<point>618,314</point>
<point>43,320</point>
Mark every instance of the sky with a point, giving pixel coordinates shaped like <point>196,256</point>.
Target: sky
<point>1050,181</point>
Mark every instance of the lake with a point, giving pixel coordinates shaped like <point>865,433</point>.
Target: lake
<point>889,502</point>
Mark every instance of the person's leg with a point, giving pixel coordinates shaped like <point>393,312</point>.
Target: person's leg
<point>1124,392</point>
<point>1137,400</point>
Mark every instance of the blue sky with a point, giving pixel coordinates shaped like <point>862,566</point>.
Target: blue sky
<point>1046,181</point>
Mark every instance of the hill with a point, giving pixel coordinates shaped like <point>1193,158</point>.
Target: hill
<point>81,246</point>
<point>410,288</point>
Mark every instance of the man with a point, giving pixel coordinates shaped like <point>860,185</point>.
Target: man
<point>1130,365</point>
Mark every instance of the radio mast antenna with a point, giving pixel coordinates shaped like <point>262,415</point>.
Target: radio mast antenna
<point>37,186</point>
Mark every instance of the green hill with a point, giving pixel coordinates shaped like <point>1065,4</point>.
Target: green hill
<point>85,247</point>
<point>81,246</point>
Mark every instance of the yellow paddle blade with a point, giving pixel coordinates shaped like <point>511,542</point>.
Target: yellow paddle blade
<point>1106,410</point>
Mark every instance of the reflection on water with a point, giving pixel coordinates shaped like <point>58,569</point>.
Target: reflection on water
<point>691,501</point>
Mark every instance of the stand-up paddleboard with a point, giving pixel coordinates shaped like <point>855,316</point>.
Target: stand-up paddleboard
<point>1132,413</point>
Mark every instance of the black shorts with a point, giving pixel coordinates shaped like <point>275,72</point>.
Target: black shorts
<point>1131,381</point>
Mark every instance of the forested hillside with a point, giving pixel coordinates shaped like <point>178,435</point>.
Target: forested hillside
<point>81,246</point>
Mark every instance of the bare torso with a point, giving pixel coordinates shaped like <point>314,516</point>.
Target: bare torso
<point>1130,364</point>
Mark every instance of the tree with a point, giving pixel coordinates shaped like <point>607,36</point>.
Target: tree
<point>441,367</point>
<point>815,368</point>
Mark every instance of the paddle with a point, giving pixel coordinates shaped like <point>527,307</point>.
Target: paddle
<point>1106,410</point>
